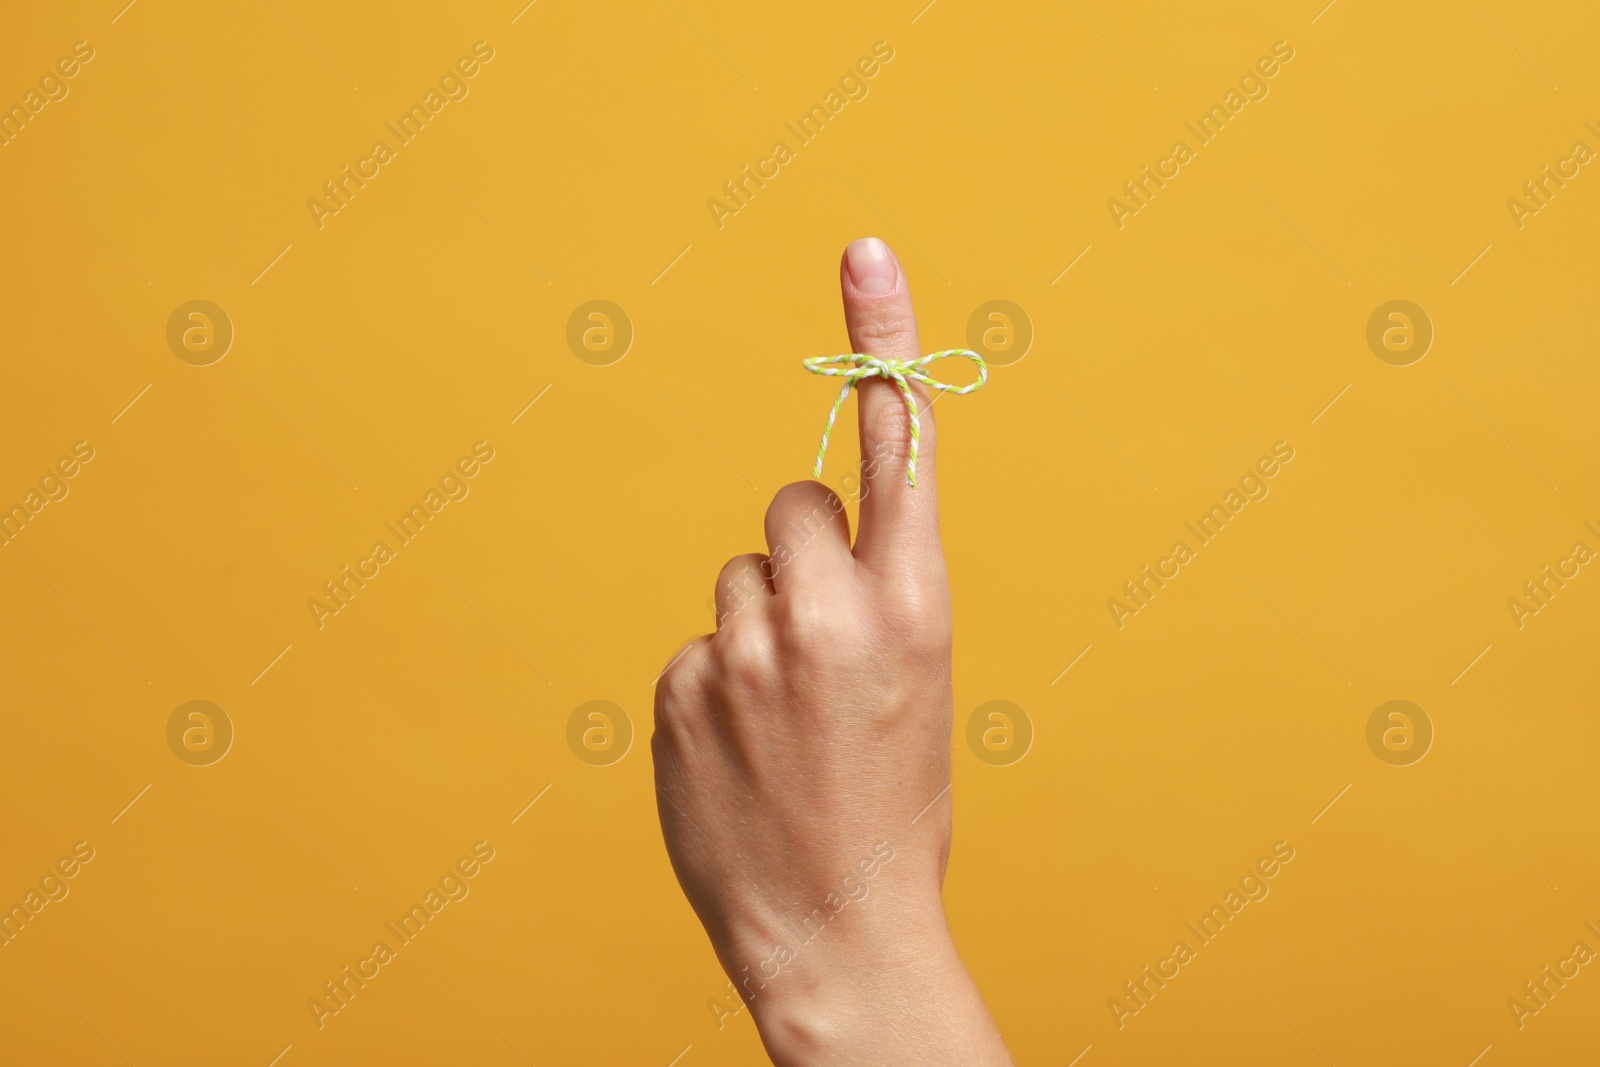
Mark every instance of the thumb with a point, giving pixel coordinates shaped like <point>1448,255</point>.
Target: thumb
<point>899,523</point>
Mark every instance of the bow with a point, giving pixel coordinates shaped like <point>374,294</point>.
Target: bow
<point>856,367</point>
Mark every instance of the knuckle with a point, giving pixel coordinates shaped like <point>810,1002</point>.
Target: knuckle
<point>744,655</point>
<point>922,620</point>
<point>680,680</point>
<point>742,581</point>
<point>886,325</point>
<point>806,623</point>
<point>933,636</point>
<point>679,715</point>
<point>670,718</point>
<point>889,428</point>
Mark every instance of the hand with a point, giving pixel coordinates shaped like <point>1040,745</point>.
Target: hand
<point>802,752</point>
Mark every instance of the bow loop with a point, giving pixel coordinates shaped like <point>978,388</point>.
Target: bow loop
<point>857,367</point>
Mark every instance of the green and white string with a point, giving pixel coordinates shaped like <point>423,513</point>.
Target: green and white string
<point>855,367</point>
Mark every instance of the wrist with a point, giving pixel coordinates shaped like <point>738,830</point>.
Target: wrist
<point>830,1004</point>
<point>883,986</point>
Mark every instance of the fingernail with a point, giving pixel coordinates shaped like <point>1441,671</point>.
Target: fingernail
<point>872,268</point>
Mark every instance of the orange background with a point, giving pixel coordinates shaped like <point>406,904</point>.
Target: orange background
<point>372,753</point>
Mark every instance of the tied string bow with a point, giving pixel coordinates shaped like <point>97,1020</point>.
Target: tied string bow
<point>855,367</point>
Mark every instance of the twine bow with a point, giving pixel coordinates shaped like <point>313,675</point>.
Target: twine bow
<point>858,368</point>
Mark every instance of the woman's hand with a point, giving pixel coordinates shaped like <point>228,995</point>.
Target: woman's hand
<point>802,751</point>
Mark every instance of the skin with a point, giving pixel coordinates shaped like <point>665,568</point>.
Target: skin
<point>802,752</point>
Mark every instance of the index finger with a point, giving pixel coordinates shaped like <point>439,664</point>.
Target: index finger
<point>899,522</point>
